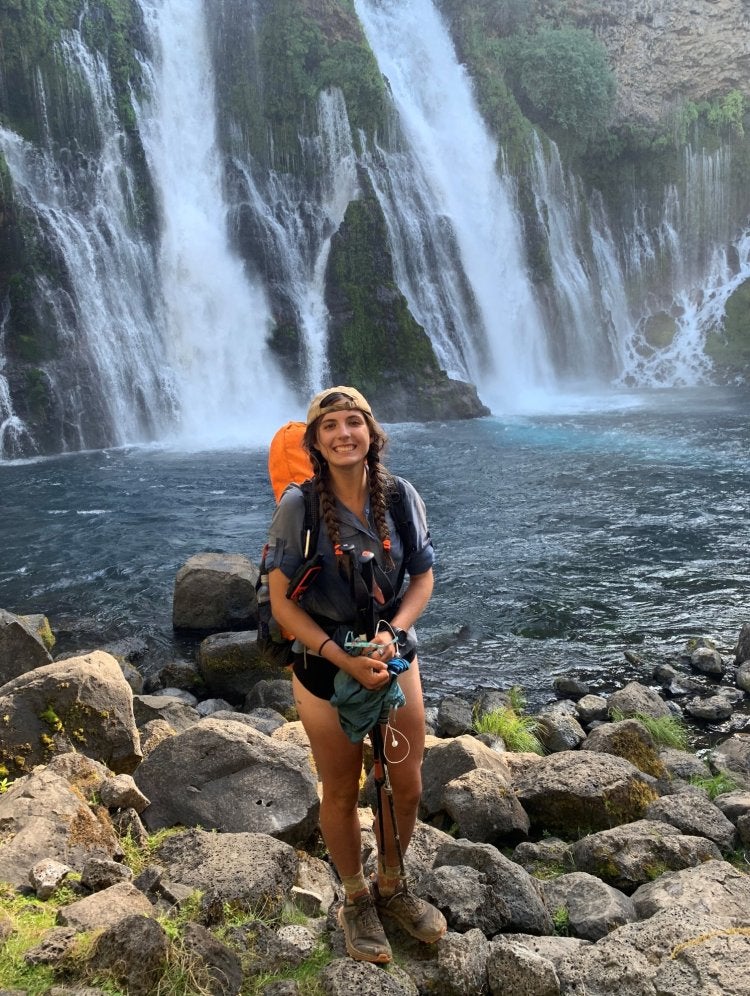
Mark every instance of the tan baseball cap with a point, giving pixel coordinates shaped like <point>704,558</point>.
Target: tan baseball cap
<point>351,399</point>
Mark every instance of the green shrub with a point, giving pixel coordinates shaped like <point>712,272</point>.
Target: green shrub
<point>667,731</point>
<point>517,732</point>
<point>715,784</point>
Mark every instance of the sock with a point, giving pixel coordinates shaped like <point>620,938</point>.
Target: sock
<point>389,880</point>
<point>354,885</point>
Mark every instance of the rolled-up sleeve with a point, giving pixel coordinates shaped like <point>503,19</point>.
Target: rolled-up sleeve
<point>285,533</point>
<point>423,557</point>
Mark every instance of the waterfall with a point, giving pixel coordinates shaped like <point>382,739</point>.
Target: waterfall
<point>216,311</point>
<point>456,160</point>
<point>107,381</point>
<point>15,439</point>
<point>295,219</point>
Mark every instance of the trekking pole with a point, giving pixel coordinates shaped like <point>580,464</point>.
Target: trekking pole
<point>383,784</point>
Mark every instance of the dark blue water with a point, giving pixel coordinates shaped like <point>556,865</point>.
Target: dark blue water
<point>563,540</point>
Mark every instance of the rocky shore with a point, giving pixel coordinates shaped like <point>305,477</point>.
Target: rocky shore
<point>162,838</point>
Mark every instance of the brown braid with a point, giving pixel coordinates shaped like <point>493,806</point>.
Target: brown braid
<point>380,486</point>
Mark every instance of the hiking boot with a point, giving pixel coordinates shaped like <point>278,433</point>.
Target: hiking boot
<point>363,931</point>
<point>417,917</point>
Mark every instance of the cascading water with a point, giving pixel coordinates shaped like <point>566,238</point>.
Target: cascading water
<point>295,222</point>
<point>217,314</point>
<point>105,310</point>
<point>15,439</point>
<point>457,158</point>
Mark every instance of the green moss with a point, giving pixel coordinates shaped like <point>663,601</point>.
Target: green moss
<point>729,347</point>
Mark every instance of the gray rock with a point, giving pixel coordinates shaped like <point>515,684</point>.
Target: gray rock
<point>105,908</point>
<point>707,660</point>
<point>215,591</point>
<point>513,969</point>
<point>718,966</point>
<point>101,873</point>
<point>231,664</point>
<point>484,807</point>
<point>682,764</point>
<point>715,888</point>
<point>732,757</point>
<point>21,648</point>
<point>569,687</point>
<point>517,895</point>
<point>695,815</point>
<point>462,964</point>
<point>121,792</point>
<point>251,870</point>
<point>178,715</point>
<point>44,816</point>
<point>176,674</point>
<point>463,895</point>
<point>743,829</point>
<point>742,677</point>
<point>635,698</point>
<point>591,708</point>
<point>46,875</point>
<point>135,949</point>
<point>558,731</point>
<point>210,707</point>
<point>127,823</point>
<point>272,693</point>
<point>712,709</point>
<point>264,719</point>
<point>226,776</point>
<point>581,789</point>
<point>216,961</point>
<point>629,739</point>
<point>550,853</point>
<point>594,908</point>
<point>449,760</point>
<point>742,650</point>
<point>631,855</point>
<point>734,804</point>
<point>53,947</point>
<point>455,717</point>
<point>344,976</point>
<point>178,693</point>
<point>79,704</point>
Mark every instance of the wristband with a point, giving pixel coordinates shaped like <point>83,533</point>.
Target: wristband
<point>328,639</point>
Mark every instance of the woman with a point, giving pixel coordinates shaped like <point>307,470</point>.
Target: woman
<point>345,442</point>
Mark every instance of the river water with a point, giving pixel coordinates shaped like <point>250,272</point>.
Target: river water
<point>618,523</point>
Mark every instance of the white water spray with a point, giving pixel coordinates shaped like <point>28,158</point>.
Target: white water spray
<point>217,314</point>
<point>15,439</point>
<point>106,319</point>
<point>457,156</point>
<point>298,222</point>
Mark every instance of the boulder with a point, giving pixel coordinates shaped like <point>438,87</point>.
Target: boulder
<point>101,873</point>
<point>450,759</point>
<point>135,950</point>
<point>715,888</point>
<point>484,807</point>
<point>683,765</point>
<point>21,647</point>
<point>572,790</point>
<point>734,804</point>
<point>215,591</point>
<point>218,963</point>
<point>558,731</point>
<point>516,896</point>
<point>593,908</point>
<point>732,757</point>
<point>177,714</point>
<point>455,716</point>
<point>231,664</point>
<point>692,813</point>
<point>251,871</point>
<point>629,856</point>
<point>742,650</point>
<point>629,739</point>
<point>81,703</point>
<point>226,776</point>
<point>513,969</point>
<point>272,693</point>
<point>742,677</point>
<point>707,660</point>
<point>591,708</point>
<point>105,908</point>
<point>42,817</point>
<point>550,855</point>
<point>121,792</point>
<point>635,698</point>
<point>568,686</point>
<point>711,709</point>
<point>47,875</point>
<point>344,976</point>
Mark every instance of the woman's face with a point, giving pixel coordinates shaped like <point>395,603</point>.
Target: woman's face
<point>343,438</point>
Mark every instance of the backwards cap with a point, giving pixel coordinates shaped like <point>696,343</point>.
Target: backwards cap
<point>351,399</point>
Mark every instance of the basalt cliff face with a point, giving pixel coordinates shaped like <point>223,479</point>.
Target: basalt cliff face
<point>666,51</point>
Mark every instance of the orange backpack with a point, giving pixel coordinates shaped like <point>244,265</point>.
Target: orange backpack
<point>288,462</point>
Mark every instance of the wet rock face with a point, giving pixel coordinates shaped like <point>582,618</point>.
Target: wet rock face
<point>664,50</point>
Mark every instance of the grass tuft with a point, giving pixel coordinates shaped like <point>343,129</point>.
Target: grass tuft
<point>715,784</point>
<point>517,732</point>
<point>667,731</point>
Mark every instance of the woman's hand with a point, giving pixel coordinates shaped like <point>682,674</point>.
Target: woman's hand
<point>370,670</point>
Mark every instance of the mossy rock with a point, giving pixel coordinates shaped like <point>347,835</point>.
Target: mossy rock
<point>729,347</point>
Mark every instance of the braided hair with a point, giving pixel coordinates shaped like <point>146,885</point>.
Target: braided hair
<point>379,479</point>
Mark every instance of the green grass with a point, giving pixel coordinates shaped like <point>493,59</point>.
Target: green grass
<point>517,732</point>
<point>715,784</point>
<point>667,731</point>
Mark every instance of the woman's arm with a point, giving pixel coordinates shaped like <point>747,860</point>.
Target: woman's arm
<point>414,600</point>
<point>370,671</point>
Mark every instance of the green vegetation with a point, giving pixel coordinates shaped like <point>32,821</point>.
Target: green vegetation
<point>715,784</point>
<point>561,921</point>
<point>667,731</point>
<point>518,732</point>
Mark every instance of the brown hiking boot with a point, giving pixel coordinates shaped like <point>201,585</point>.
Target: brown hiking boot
<point>417,917</point>
<point>363,931</point>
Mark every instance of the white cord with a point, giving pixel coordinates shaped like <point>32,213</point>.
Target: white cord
<point>394,741</point>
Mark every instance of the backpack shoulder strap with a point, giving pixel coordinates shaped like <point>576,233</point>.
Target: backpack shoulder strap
<point>311,521</point>
<point>397,506</point>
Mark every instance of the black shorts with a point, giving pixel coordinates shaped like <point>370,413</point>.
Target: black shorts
<point>317,675</point>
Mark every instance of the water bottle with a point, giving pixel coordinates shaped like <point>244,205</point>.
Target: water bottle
<point>263,595</point>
